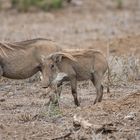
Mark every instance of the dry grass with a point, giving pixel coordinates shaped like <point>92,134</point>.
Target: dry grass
<point>124,70</point>
<point>26,117</point>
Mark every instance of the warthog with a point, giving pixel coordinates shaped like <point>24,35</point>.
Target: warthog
<point>77,65</point>
<point>21,60</point>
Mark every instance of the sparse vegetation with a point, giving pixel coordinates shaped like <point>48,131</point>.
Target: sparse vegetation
<point>46,5</point>
<point>119,4</point>
<point>54,109</point>
<point>0,5</point>
<point>25,117</point>
<point>124,69</point>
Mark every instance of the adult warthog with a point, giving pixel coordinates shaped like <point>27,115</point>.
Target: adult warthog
<point>76,66</point>
<point>21,60</point>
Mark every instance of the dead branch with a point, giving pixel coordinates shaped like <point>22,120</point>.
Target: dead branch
<point>63,137</point>
<point>79,122</point>
<point>82,129</point>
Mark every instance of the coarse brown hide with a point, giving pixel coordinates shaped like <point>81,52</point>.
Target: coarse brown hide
<point>21,60</point>
<point>78,66</point>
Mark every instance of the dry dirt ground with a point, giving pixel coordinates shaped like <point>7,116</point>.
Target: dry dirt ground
<point>24,113</point>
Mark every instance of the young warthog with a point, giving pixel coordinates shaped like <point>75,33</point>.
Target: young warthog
<point>20,60</point>
<point>77,65</point>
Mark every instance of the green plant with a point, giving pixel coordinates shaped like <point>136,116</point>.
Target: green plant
<point>57,4</point>
<point>21,5</point>
<point>119,4</point>
<point>46,5</point>
<point>14,3</point>
<point>54,110</point>
<point>0,5</point>
<point>24,5</point>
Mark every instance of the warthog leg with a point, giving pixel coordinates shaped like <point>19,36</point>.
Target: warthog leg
<point>59,90</point>
<point>1,71</point>
<point>74,91</point>
<point>96,80</point>
<point>58,81</point>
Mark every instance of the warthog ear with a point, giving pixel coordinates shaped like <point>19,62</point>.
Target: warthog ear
<point>57,58</point>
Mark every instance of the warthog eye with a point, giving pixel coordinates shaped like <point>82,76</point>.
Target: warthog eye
<point>51,66</point>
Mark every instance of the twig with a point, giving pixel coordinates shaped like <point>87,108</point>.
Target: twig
<point>63,137</point>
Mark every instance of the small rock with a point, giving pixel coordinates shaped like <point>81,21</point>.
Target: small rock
<point>1,126</point>
<point>10,93</point>
<point>2,100</point>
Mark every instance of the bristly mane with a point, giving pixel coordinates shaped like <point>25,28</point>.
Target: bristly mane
<point>6,47</point>
<point>30,41</point>
<point>82,52</point>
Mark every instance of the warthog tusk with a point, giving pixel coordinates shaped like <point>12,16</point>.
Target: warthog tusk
<point>59,77</point>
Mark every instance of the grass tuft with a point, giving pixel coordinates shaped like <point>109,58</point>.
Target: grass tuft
<point>45,5</point>
<point>119,4</point>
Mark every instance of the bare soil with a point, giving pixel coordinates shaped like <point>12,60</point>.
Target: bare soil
<point>24,113</point>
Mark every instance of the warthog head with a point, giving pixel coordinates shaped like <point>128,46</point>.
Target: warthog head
<point>52,72</point>
<point>49,71</point>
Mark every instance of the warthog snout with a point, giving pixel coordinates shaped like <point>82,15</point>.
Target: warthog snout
<point>45,84</point>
